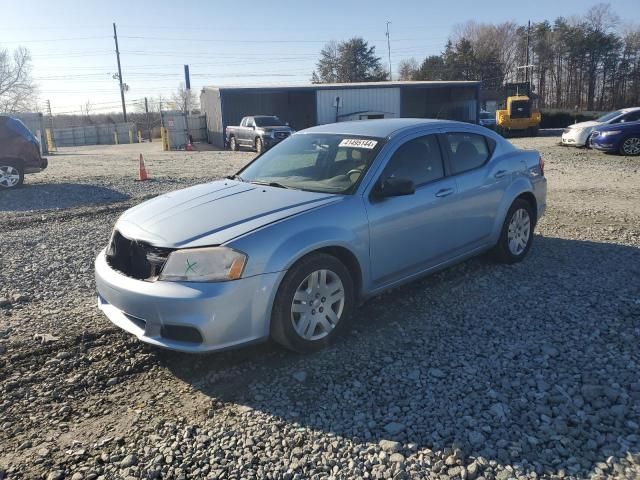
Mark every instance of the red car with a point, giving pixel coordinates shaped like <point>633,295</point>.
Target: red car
<point>19,153</point>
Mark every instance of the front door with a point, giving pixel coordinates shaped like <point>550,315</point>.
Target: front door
<point>408,234</point>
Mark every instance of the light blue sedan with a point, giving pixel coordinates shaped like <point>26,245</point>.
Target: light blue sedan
<point>289,246</point>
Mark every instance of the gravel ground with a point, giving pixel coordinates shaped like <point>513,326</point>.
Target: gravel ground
<point>481,371</point>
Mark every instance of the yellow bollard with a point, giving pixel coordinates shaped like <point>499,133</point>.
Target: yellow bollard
<point>50,142</point>
<point>130,136</point>
<point>115,137</point>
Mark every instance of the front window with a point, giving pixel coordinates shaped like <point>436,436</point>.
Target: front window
<point>269,122</point>
<point>315,162</point>
<point>609,116</point>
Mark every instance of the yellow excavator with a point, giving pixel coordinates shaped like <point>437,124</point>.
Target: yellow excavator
<point>520,114</point>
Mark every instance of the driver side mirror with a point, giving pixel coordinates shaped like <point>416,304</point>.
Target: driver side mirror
<point>394,187</point>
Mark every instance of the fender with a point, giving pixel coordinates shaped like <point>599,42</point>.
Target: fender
<point>519,186</point>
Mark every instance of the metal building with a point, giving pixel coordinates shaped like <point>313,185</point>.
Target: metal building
<point>307,106</point>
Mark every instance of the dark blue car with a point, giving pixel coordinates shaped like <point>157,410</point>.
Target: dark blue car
<point>622,138</point>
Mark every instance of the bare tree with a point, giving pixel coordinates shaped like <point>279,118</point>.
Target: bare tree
<point>17,90</point>
<point>184,99</point>
<point>407,69</point>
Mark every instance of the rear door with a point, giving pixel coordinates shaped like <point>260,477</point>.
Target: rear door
<point>480,185</point>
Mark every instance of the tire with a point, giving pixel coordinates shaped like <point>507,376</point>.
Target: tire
<point>535,131</point>
<point>302,326</point>
<point>233,145</point>
<point>516,239</point>
<point>630,146</point>
<point>11,174</point>
<point>259,145</point>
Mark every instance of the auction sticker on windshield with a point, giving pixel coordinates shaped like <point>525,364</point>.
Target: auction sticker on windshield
<point>358,143</point>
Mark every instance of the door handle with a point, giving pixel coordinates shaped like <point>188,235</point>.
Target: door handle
<point>501,173</point>
<point>445,192</point>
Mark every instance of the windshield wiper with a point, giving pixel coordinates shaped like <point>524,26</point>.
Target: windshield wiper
<point>235,177</point>
<point>269,184</point>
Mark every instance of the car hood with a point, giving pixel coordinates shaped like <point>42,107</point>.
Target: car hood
<point>589,124</point>
<point>214,213</point>
<point>276,129</point>
<point>619,126</point>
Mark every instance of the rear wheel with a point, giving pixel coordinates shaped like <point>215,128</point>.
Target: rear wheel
<point>313,303</point>
<point>517,233</point>
<point>259,145</point>
<point>630,146</point>
<point>233,145</point>
<point>11,174</point>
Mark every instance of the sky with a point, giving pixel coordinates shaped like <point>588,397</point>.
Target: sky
<point>229,42</point>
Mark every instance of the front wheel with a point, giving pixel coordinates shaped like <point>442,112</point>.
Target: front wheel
<point>11,175</point>
<point>233,145</point>
<point>313,303</point>
<point>630,146</point>
<point>259,146</point>
<point>517,233</point>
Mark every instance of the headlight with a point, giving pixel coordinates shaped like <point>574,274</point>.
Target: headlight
<point>213,264</point>
<point>610,132</point>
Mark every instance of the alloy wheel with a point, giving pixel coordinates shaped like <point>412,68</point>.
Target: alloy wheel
<point>631,146</point>
<point>9,176</point>
<point>317,305</point>
<point>519,231</point>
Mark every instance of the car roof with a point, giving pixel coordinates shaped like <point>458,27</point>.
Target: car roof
<point>629,109</point>
<point>380,128</point>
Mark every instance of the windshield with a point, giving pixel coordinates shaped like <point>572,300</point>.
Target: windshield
<point>486,116</point>
<point>268,122</point>
<point>315,162</point>
<point>609,116</point>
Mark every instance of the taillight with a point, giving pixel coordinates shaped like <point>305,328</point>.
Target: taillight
<point>541,163</point>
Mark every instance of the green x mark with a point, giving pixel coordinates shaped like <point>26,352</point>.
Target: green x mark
<point>190,267</point>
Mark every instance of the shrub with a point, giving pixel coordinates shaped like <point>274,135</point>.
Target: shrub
<point>562,119</point>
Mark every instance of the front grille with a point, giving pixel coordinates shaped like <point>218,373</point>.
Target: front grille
<point>136,259</point>
<point>281,135</point>
<point>520,109</point>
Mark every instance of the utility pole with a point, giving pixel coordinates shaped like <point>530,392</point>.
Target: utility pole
<point>124,108</point>
<point>389,49</point>
<point>526,70</point>
<point>146,109</point>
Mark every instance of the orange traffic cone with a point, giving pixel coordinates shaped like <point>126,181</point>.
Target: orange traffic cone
<point>142,174</point>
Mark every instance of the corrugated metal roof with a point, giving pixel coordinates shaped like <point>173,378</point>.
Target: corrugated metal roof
<point>327,86</point>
